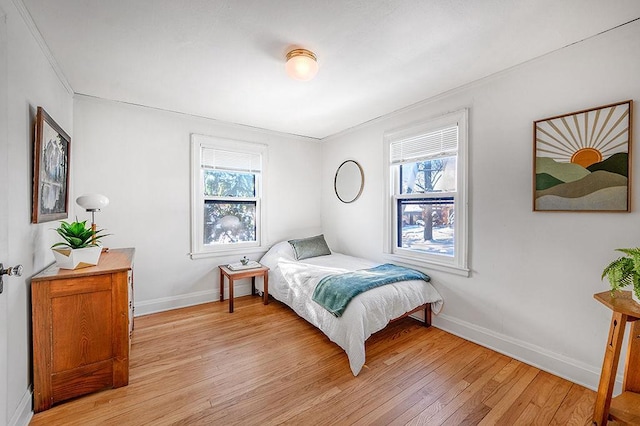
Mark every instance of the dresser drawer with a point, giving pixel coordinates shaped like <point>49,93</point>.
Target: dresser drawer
<point>66,287</point>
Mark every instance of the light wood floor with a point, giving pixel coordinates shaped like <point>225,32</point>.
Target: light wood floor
<point>263,365</point>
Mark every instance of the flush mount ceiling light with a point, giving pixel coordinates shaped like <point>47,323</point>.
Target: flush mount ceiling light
<point>301,64</point>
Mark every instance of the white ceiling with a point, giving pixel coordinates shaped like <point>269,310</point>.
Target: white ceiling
<point>224,59</point>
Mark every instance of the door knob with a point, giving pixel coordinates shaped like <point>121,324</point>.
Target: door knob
<point>12,270</point>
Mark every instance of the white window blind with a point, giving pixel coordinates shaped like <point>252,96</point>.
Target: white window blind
<point>427,146</point>
<point>232,161</point>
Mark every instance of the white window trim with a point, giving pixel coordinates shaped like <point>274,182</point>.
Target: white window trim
<point>198,249</point>
<point>459,263</point>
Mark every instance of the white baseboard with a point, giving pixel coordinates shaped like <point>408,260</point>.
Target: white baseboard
<point>536,356</point>
<point>182,301</point>
<point>23,414</point>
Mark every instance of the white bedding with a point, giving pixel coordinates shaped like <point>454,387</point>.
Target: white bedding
<point>293,282</point>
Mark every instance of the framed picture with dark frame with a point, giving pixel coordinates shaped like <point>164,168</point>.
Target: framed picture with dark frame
<point>50,170</point>
<point>581,160</point>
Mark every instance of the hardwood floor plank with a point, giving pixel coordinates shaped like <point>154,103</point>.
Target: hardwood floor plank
<point>416,374</point>
<point>502,407</point>
<point>539,384</point>
<point>469,406</point>
<point>577,405</point>
<point>385,412</point>
<point>377,379</point>
<point>504,381</point>
<point>549,393</point>
<point>444,406</point>
<point>263,365</point>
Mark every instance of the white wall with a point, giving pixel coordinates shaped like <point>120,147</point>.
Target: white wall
<point>533,277</point>
<point>32,82</point>
<point>140,158</point>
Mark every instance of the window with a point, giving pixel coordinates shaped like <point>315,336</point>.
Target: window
<point>426,193</point>
<point>227,181</point>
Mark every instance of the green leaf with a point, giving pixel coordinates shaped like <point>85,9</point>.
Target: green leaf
<point>624,271</point>
<point>78,235</point>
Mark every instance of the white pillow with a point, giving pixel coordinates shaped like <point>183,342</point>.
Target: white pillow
<point>277,252</point>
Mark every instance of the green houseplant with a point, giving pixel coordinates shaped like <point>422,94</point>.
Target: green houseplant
<point>80,247</point>
<point>625,271</point>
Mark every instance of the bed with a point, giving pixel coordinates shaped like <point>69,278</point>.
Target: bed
<point>294,277</point>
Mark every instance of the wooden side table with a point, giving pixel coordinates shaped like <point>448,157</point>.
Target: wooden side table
<point>243,273</point>
<point>624,408</point>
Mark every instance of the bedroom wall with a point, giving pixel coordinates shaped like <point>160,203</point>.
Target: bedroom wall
<point>31,82</point>
<point>530,293</point>
<point>140,158</point>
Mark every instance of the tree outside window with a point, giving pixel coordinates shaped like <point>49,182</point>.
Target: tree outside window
<point>227,178</point>
<point>229,207</point>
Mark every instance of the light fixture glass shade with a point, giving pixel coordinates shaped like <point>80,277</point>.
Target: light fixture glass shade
<point>92,202</point>
<point>301,64</point>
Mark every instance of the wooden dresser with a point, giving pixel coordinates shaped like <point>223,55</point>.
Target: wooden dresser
<point>82,322</point>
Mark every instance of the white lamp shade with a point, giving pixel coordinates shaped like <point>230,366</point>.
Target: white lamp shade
<point>92,201</point>
<point>301,65</point>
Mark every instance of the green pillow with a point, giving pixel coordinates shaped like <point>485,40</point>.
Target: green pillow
<point>310,247</point>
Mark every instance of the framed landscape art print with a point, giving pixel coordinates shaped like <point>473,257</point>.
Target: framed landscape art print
<point>50,170</point>
<point>582,160</point>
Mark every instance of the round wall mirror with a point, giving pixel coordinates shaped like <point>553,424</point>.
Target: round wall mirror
<point>349,181</point>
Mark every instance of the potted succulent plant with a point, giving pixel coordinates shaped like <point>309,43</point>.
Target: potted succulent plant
<point>80,247</point>
<point>625,271</point>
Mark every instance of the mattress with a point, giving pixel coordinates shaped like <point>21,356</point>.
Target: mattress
<point>292,282</point>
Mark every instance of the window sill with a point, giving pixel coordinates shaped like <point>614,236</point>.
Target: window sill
<point>240,251</point>
<point>427,264</point>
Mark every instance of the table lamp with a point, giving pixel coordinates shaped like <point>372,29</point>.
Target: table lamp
<point>92,203</point>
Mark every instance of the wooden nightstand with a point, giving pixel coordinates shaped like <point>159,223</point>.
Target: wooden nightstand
<point>624,408</point>
<point>252,273</point>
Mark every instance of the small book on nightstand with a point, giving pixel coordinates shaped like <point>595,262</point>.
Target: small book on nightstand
<point>238,266</point>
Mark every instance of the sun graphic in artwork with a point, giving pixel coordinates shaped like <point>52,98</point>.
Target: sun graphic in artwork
<point>586,157</point>
<point>584,138</point>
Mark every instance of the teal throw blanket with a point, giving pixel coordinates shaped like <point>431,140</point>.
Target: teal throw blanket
<point>334,292</point>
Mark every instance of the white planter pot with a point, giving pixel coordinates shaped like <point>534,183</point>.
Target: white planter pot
<point>634,297</point>
<point>77,258</point>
